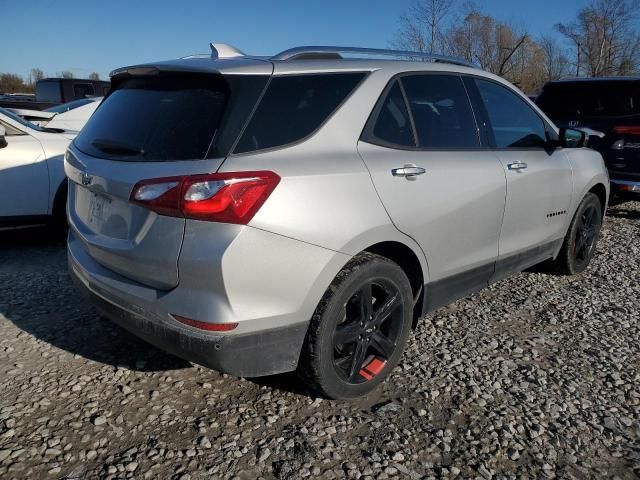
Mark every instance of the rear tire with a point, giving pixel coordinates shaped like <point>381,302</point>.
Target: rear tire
<point>359,329</point>
<point>581,239</point>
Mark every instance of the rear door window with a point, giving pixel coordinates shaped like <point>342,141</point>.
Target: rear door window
<point>170,117</point>
<point>392,125</point>
<point>441,111</point>
<point>294,107</point>
<point>513,122</point>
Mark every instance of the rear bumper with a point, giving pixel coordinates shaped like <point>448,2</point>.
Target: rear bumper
<point>271,297</point>
<point>249,355</point>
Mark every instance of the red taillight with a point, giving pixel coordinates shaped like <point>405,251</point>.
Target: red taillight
<point>631,130</point>
<point>211,327</point>
<point>216,197</point>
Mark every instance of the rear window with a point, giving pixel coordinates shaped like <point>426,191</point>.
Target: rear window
<point>170,117</point>
<point>590,99</point>
<point>294,107</point>
<point>48,91</point>
<point>82,90</point>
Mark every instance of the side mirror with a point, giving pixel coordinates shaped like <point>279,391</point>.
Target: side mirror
<point>571,138</point>
<point>3,141</point>
<point>594,137</point>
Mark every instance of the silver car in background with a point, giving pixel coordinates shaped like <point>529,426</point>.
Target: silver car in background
<point>261,215</point>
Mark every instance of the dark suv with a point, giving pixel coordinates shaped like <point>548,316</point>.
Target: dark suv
<point>610,106</point>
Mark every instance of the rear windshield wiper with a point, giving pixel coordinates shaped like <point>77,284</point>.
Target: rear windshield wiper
<point>117,148</point>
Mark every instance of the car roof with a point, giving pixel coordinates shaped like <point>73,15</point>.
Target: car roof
<point>267,66</point>
<point>594,80</point>
<point>227,59</point>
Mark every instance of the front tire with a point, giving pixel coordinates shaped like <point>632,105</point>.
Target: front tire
<point>359,329</point>
<point>581,239</point>
<point>59,210</point>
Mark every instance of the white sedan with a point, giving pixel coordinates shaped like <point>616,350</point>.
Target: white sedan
<point>75,118</point>
<point>68,116</point>
<point>33,186</point>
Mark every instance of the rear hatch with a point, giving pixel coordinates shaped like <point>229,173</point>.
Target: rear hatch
<point>608,106</point>
<point>152,125</point>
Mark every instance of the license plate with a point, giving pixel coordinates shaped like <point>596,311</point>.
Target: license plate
<point>99,210</point>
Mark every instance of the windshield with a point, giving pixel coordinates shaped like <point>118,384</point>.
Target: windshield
<point>19,119</point>
<point>590,99</point>
<point>26,123</point>
<point>65,107</point>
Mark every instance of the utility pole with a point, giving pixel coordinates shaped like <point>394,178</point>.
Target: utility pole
<point>578,62</point>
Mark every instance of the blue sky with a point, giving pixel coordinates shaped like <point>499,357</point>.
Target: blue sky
<point>86,36</point>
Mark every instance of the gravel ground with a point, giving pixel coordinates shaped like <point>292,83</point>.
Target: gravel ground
<point>537,376</point>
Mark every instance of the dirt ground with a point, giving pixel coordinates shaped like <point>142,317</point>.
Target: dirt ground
<point>537,376</point>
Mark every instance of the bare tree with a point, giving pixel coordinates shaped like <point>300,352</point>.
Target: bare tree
<point>555,62</point>
<point>604,40</point>
<point>12,83</point>
<point>34,75</point>
<point>526,69</point>
<point>65,74</point>
<point>94,76</point>
<point>605,37</point>
<point>481,39</point>
<point>423,25</point>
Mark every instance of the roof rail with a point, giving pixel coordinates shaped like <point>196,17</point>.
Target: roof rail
<point>299,53</point>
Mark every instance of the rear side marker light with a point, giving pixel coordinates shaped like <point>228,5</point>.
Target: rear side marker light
<point>216,197</point>
<point>629,188</point>
<point>210,327</point>
<point>631,130</point>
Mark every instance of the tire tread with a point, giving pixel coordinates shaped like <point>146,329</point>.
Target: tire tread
<point>564,262</point>
<point>309,363</point>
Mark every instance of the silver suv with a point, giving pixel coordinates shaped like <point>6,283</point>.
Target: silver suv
<point>261,215</point>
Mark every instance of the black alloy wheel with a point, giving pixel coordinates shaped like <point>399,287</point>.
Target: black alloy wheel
<point>367,336</point>
<point>359,329</point>
<point>580,242</point>
<point>586,234</point>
